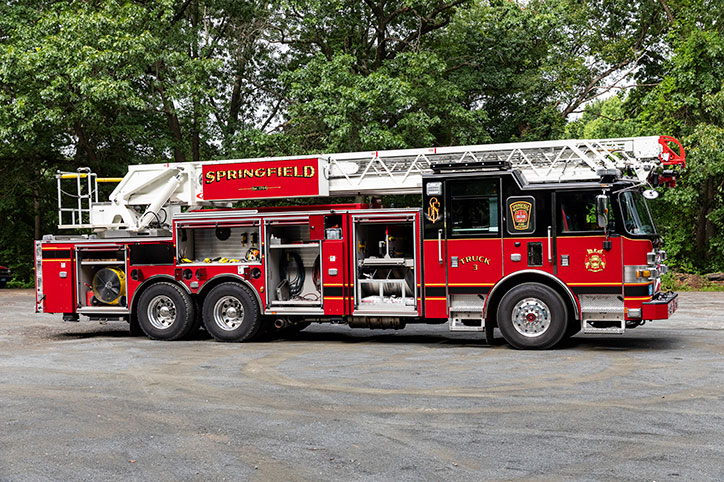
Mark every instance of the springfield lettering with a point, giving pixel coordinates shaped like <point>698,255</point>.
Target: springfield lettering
<point>262,172</point>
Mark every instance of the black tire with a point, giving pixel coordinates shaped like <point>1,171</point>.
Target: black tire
<point>573,328</point>
<point>134,327</point>
<point>165,312</point>
<point>2,284</point>
<point>532,316</point>
<point>231,313</point>
<point>489,332</point>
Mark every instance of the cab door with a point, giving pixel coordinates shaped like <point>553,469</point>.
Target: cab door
<point>529,236</point>
<point>473,241</point>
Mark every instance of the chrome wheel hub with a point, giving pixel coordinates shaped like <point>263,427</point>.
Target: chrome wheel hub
<point>531,317</point>
<point>228,313</point>
<point>161,312</point>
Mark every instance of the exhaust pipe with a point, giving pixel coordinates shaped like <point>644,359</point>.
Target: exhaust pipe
<point>280,323</point>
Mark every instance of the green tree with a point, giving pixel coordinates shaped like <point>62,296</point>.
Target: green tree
<point>688,102</point>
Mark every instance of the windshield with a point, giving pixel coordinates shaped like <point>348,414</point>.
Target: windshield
<point>636,216</point>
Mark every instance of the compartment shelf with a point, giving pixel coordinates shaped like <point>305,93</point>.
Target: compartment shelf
<point>93,262</point>
<point>292,245</point>
<point>382,262</point>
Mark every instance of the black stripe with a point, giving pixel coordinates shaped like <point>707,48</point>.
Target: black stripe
<point>596,290</point>
<point>469,290</point>
<point>56,253</point>
<point>333,291</point>
<point>641,290</point>
<point>435,291</point>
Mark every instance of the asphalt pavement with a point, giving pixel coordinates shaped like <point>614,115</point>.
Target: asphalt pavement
<point>86,401</point>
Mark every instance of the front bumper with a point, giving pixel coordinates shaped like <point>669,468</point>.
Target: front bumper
<point>661,307</point>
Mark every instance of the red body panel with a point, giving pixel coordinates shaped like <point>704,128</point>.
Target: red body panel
<point>58,264</point>
<point>659,310</point>
<point>589,264</point>
<point>510,248</point>
<point>262,179</point>
<point>333,279</point>
<point>434,285</point>
<point>479,265</point>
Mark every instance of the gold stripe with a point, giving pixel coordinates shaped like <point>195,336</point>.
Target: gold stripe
<point>435,298</point>
<point>471,284</point>
<point>334,297</point>
<point>636,298</point>
<point>57,259</point>
<point>618,283</point>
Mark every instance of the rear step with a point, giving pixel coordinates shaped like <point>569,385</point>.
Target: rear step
<point>617,327</point>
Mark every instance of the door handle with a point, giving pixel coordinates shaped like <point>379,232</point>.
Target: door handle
<point>550,251</point>
<point>439,246</point>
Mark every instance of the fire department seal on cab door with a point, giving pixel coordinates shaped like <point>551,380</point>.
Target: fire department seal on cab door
<point>520,212</point>
<point>595,260</point>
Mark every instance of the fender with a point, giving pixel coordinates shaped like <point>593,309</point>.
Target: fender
<point>566,289</point>
<point>232,277</point>
<point>156,277</point>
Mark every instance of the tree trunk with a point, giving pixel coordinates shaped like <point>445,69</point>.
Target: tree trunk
<point>195,134</point>
<point>36,205</point>
<point>173,123</point>
<point>704,227</point>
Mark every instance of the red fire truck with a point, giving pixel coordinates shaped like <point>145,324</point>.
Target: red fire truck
<point>539,239</point>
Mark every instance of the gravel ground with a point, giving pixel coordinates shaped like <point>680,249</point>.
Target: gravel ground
<point>85,401</point>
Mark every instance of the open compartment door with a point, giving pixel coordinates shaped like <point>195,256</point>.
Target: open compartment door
<point>386,264</point>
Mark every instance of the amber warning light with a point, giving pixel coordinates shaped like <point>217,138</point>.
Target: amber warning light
<point>263,179</point>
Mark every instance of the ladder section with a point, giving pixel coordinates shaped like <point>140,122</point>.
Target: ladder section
<point>75,203</point>
<point>400,171</point>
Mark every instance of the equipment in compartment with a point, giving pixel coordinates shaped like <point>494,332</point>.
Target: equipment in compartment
<point>385,263</point>
<point>109,285</point>
<point>293,265</point>
<point>101,278</point>
<point>219,244</point>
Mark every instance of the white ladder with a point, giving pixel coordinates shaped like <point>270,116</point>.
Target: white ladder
<point>400,171</point>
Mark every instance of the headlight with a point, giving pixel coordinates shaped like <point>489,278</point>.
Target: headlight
<point>651,257</point>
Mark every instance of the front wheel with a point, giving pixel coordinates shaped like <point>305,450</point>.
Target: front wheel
<point>231,313</point>
<point>532,316</point>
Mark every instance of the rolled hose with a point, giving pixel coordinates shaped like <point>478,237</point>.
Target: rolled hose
<point>109,285</point>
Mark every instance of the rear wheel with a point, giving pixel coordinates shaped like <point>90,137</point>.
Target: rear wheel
<point>231,313</point>
<point>532,316</point>
<point>165,312</point>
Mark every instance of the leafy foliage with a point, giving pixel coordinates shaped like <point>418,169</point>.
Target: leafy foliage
<point>108,83</point>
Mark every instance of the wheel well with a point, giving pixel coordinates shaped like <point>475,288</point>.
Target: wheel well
<point>226,278</point>
<point>507,284</point>
<point>147,284</point>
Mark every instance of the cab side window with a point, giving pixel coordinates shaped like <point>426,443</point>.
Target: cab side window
<point>577,212</point>
<point>474,208</point>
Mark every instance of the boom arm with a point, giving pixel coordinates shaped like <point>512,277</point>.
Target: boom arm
<point>148,192</point>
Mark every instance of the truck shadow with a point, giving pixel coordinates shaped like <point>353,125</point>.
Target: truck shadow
<point>435,337</point>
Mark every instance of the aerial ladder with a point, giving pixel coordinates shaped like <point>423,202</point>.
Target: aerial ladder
<point>150,194</point>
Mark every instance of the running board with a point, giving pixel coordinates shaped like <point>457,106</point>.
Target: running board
<point>606,325</point>
<point>456,323</point>
<point>602,314</point>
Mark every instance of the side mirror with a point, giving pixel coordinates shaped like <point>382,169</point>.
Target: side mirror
<point>602,210</point>
<point>650,194</point>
